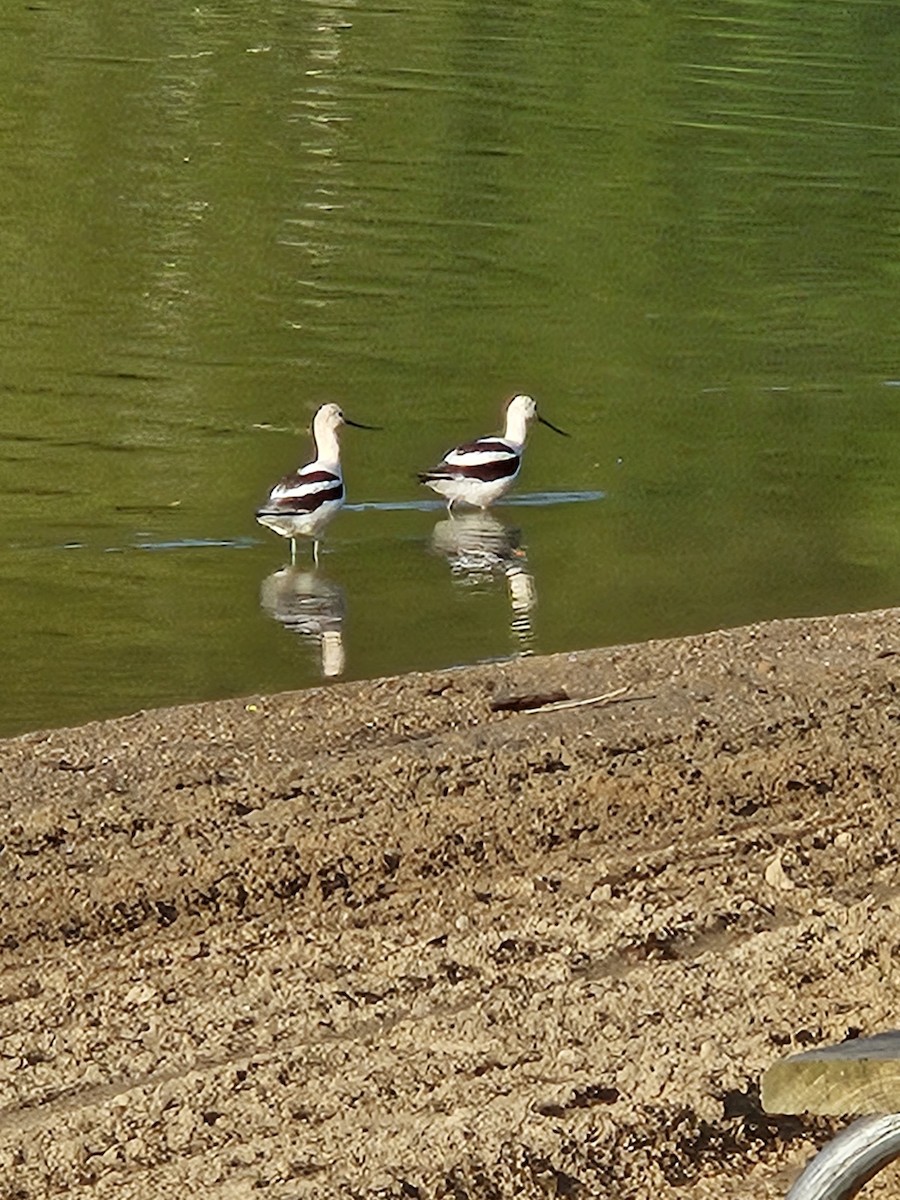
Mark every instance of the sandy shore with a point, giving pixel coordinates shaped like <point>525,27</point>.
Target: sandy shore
<point>399,939</point>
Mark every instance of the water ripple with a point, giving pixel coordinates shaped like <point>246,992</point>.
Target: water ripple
<point>525,500</point>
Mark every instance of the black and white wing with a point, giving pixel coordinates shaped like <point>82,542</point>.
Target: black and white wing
<point>305,491</point>
<point>486,460</point>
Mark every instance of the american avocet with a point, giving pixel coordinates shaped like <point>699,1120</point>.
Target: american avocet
<point>479,472</point>
<point>302,504</point>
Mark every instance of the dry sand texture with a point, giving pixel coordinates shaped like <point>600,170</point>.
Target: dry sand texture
<point>389,940</point>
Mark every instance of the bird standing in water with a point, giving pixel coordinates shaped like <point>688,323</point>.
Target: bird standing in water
<point>480,472</point>
<point>302,504</point>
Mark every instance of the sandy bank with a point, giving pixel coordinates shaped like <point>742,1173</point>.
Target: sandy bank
<point>398,939</point>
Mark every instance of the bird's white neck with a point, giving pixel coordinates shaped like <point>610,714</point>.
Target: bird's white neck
<point>516,427</point>
<point>328,448</point>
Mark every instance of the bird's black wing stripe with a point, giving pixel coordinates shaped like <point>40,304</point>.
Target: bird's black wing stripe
<point>304,504</point>
<point>486,472</point>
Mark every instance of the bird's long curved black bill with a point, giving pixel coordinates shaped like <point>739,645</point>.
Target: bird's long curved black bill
<point>550,425</point>
<point>358,425</point>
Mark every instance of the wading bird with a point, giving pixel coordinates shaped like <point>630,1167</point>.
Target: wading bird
<point>302,504</point>
<point>480,472</point>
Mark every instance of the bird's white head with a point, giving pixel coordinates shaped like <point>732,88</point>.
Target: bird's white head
<point>326,423</point>
<point>328,417</point>
<point>523,407</point>
<point>520,412</point>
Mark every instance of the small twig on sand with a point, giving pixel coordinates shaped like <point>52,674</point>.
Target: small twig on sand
<point>527,702</point>
<point>616,697</point>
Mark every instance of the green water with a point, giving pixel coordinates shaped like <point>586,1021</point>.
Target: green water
<point>678,226</point>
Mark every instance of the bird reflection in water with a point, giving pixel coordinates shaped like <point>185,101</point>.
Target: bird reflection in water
<point>478,548</point>
<point>313,608</point>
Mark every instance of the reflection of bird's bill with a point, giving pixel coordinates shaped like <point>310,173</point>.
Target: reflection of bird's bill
<point>477,542</point>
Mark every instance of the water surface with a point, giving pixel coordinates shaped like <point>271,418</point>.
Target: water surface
<point>677,226</point>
